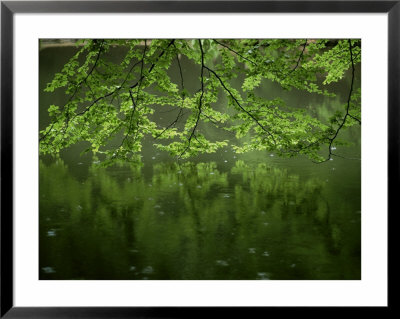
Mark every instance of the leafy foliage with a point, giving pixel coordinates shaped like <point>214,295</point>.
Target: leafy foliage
<point>111,104</point>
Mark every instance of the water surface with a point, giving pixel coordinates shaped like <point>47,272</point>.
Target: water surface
<point>218,216</point>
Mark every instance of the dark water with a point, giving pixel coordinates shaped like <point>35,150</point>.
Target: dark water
<point>219,216</point>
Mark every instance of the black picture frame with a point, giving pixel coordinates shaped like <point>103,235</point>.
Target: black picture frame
<point>9,8</point>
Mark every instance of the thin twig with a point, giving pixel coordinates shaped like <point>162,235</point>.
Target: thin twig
<point>240,106</point>
<point>237,53</point>
<point>332,139</point>
<point>200,101</point>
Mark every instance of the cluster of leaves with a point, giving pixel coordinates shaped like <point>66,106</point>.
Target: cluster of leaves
<point>111,104</point>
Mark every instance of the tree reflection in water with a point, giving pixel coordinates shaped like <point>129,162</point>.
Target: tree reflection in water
<point>192,221</point>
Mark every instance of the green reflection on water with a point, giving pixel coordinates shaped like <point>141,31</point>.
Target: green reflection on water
<point>194,221</point>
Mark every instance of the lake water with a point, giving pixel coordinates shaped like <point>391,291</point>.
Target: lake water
<point>218,216</point>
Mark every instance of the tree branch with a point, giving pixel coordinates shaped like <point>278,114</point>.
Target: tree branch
<point>134,104</point>
<point>240,106</point>
<point>298,61</point>
<point>76,90</point>
<point>356,119</point>
<point>237,53</point>
<point>332,139</point>
<point>153,65</point>
<point>200,100</point>
<point>180,114</point>
<point>131,117</point>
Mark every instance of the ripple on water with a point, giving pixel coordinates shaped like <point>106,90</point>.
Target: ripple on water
<point>222,263</point>
<point>252,250</point>
<point>263,275</point>
<point>132,268</point>
<point>48,270</point>
<point>148,270</point>
<point>51,233</point>
<point>265,254</point>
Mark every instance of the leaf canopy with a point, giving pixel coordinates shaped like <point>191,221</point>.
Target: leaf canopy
<point>111,104</point>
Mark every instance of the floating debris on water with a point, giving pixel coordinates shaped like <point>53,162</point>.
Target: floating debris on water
<point>252,250</point>
<point>48,270</point>
<point>148,270</point>
<point>221,263</point>
<point>263,275</point>
<point>272,155</point>
<point>51,233</point>
<point>198,186</point>
<point>227,195</point>
<point>226,161</point>
<point>212,173</point>
<point>153,157</point>
<point>265,254</point>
